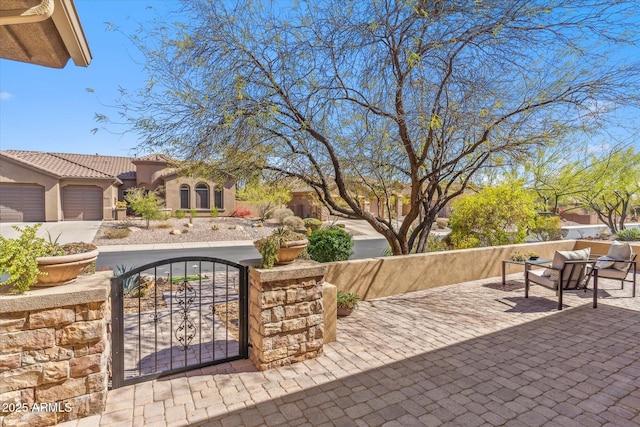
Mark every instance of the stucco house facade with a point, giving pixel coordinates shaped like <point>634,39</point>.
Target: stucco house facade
<point>40,186</point>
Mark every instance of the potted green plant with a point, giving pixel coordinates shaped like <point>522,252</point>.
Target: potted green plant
<point>347,302</point>
<point>517,256</point>
<point>282,247</point>
<point>29,260</point>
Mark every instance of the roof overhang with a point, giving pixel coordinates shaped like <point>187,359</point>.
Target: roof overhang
<point>42,32</point>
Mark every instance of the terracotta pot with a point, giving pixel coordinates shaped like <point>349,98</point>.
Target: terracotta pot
<point>63,269</point>
<point>344,311</point>
<point>289,251</point>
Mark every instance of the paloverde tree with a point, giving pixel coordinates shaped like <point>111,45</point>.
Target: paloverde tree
<point>557,174</point>
<point>610,185</point>
<point>378,94</point>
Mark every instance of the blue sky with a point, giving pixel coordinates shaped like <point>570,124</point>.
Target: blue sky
<point>48,109</point>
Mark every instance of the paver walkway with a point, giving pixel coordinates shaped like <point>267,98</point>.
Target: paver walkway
<point>472,354</point>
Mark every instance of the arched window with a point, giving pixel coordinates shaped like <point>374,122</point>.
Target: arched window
<point>202,196</point>
<point>218,198</point>
<point>184,197</point>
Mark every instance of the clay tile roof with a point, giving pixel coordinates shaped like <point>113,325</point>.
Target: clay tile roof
<point>66,165</point>
<point>153,158</point>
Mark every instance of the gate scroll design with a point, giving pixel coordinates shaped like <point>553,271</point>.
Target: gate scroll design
<point>178,314</point>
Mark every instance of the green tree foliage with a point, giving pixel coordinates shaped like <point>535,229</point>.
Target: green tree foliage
<point>266,196</point>
<point>611,183</point>
<point>558,178</point>
<point>494,216</point>
<point>145,203</point>
<point>352,97</point>
<point>330,244</point>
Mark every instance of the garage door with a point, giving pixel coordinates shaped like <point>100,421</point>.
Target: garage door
<point>21,203</point>
<point>82,203</point>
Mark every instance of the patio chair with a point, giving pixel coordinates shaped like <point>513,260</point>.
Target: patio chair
<point>568,271</point>
<point>619,261</point>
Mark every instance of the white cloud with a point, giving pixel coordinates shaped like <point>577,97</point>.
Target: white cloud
<point>5,96</point>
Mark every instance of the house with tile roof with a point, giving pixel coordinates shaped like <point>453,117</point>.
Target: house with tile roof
<point>39,186</point>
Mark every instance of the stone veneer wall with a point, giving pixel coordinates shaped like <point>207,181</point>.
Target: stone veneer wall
<point>285,313</point>
<point>55,350</point>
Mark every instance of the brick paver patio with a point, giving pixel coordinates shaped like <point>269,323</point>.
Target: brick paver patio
<point>472,354</point>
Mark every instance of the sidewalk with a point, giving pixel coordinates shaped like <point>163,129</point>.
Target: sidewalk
<point>470,354</point>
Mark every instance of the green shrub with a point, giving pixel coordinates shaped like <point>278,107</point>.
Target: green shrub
<point>116,233</point>
<point>628,235</point>
<point>214,212</point>
<point>494,216</point>
<point>312,223</point>
<point>193,212</point>
<point>18,256</point>
<point>180,214</point>
<point>434,244</point>
<point>147,204</point>
<point>293,222</point>
<point>547,228</point>
<point>280,214</point>
<point>332,244</point>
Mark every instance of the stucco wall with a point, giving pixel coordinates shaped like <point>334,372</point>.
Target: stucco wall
<point>581,218</point>
<point>145,172</point>
<point>172,194</point>
<point>379,277</point>
<point>600,247</point>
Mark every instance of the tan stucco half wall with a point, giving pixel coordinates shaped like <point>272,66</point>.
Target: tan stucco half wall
<point>379,277</point>
<point>601,248</point>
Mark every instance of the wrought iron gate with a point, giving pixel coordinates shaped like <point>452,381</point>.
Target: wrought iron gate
<point>175,315</point>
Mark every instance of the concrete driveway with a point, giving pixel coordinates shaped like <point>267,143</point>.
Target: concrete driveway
<point>69,231</point>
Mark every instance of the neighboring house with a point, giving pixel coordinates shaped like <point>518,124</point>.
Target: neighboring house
<point>38,186</point>
<point>304,203</point>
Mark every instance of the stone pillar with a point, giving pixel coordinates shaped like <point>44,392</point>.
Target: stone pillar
<point>285,313</point>
<point>54,352</point>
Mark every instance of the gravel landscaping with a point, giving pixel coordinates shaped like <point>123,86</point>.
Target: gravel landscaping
<point>200,231</point>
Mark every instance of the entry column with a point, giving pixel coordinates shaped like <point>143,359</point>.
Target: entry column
<point>285,313</point>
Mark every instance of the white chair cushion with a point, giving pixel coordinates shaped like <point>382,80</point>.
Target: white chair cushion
<point>552,274</point>
<point>620,250</point>
<point>612,273</point>
<point>539,277</point>
<point>604,262</point>
<point>570,274</point>
<point>560,257</point>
